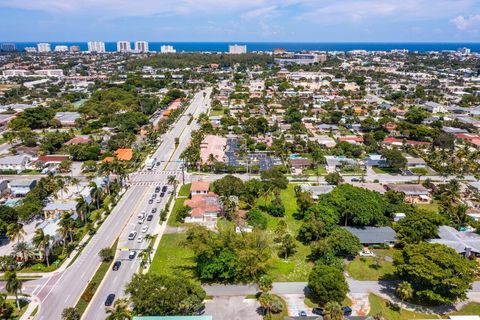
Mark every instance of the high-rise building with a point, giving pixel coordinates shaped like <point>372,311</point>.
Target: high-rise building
<point>61,48</point>
<point>96,46</point>
<point>124,46</point>
<point>30,49</point>
<point>465,51</point>
<point>74,49</point>
<point>167,49</point>
<point>237,49</point>
<point>8,47</point>
<point>44,47</point>
<point>141,46</point>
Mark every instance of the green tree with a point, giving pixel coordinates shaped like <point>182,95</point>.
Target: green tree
<point>42,242</point>
<point>437,274</point>
<point>286,246</point>
<point>228,186</point>
<point>265,283</point>
<point>257,219</point>
<point>404,291</point>
<point>394,158</point>
<point>71,313</point>
<point>119,311</point>
<point>334,178</point>
<point>13,285</point>
<point>106,254</point>
<point>332,311</point>
<point>418,226</point>
<point>159,294</point>
<point>327,284</point>
<point>15,232</point>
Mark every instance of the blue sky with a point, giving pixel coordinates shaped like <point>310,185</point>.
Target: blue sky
<point>241,20</point>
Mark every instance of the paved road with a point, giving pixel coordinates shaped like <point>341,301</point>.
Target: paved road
<point>169,157</point>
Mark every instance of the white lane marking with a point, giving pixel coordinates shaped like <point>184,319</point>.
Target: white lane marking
<point>66,299</point>
<point>83,274</point>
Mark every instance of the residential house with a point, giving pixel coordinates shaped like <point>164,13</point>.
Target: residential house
<point>391,141</point>
<point>300,163</point>
<point>414,193</point>
<point>325,141</point>
<point>434,107</point>
<point>199,187</point>
<point>205,209</point>
<point>317,191</point>
<point>20,187</point>
<point>56,209</point>
<point>78,140</point>
<point>67,119</point>
<point>52,160</point>
<point>17,163</point>
<point>334,163</point>
<point>120,154</point>
<point>414,162</point>
<point>464,243</point>
<point>351,139</point>
<point>376,160</point>
<point>374,235</point>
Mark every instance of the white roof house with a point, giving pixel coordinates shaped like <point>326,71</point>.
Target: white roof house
<point>17,162</point>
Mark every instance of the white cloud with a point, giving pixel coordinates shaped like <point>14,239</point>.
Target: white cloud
<point>470,23</point>
<point>260,12</point>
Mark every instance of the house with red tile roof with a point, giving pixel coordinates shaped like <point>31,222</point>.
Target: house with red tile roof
<point>199,187</point>
<point>78,140</point>
<point>399,142</point>
<point>205,209</point>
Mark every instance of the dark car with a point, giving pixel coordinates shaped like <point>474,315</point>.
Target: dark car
<point>154,196</point>
<point>164,189</point>
<point>154,210</point>
<point>150,217</point>
<point>302,314</point>
<point>109,300</point>
<point>132,254</point>
<point>150,201</point>
<point>116,265</point>
<point>157,189</point>
<point>347,311</point>
<point>317,311</point>
<point>158,163</point>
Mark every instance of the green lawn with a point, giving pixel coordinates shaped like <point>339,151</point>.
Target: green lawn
<point>281,315</point>
<point>385,170</point>
<point>379,305</point>
<point>471,308</point>
<point>433,207</point>
<point>171,258</point>
<point>183,194</point>
<point>184,190</point>
<point>217,112</point>
<point>309,303</point>
<point>320,171</point>
<point>366,268</point>
<point>296,267</point>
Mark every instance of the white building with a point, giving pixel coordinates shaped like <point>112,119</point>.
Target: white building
<point>61,48</point>
<point>141,46</point>
<point>17,163</point>
<point>96,46</point>
<point>124,46</point>
<point>15,73</point>
<point>30,49</point>
<point>58,73</point>
<point>167,49</point>
<point>237,49</point>
<point>44,47</point>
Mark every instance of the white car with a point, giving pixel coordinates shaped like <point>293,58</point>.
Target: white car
<point>139,239</point>
<point>144,229</point>
<point>142,220</point>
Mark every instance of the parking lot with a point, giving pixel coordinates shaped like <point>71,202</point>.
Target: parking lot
<point>233,308</point>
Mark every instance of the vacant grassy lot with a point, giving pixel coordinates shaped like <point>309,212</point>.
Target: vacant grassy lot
<point>183,194</point>
<point>372,268</point>
<point>378,305</point>
<point>433,207</point>
<point>172,258</point>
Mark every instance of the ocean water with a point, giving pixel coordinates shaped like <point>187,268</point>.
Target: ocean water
<point>289,46</point>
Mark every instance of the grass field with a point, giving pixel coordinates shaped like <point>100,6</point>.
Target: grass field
<point>366,268</point>
<point>171,258</point>
<point>469,309</point>
<point>433,207</point>
<point>296,267</point>
<point>379,305</point>
<point>183,193</point>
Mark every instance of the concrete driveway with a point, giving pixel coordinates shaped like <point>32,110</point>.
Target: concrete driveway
<point>295,304</point>
<point>233,308</point>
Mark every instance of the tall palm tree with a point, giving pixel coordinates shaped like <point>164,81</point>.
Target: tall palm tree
<point>82,207</point>
<point>75,182</point>
<point>66,228</point>
<point>41,241</point>
<point>24,249</point>
<point>15,232</point>
<point>96,193</point>
<point>106,169</point>
<point>332,311</point>
<point>172,180</point>
<point>404,291</point>
<point>266,300</point>
<point>119,311</point>
<point>13,285</point>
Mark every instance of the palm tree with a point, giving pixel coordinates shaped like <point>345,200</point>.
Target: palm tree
<point>15,232</point>
<point>119,311</point>
<point>62,185</point>
<point>82,207</point>
<point>265,283</point>
<point>41,242</point>
<point>404,291</point>
<point>66,228</point>
<point>266,300</point>
<point>172,180</point>
<point>13,285</point>
<point>75,182</point>
<point>24,249</point>
<point>96,193</point>
<point>106,170</point>
<point>332,311</point>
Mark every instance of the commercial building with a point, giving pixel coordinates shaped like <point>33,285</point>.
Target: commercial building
<point>96,46</point>
<point>74,49</point>
<point>167,49</point>
<point>15,73</point>
<point>44,47</point>
<point>124,46</point>
<point>61,48</point>
<point>30,49</point>
<point>8,47</point>
<point>301,59</point>
<point>237,49</point>
<point>141,46</point>
<point>58,73</point>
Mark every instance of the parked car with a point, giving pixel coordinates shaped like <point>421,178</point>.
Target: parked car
<point>157,189</point>
<point>150,201</point>
<point>132,254</point>
<point>116,265</point>
<point>162,194</point>
<point>347,311</point>
<point>159,200</point>
<point>132,235</point>
<point>154,196</point>
<point>154,210</point>
<point>302,314</point>
<point>317,311</point>
<point>144,229</point>
<point>150,217</point>
<point>164,189</point>
<point>140,239</point>
<point>110,299</point>
<point>140,221</point>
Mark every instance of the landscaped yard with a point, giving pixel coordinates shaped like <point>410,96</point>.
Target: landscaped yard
<point>183,194</point>
<point>471,308</point>
<point>371,268</point>
<point>171,258</point>
<point>433,207</point>
<point>17,314</point>
<point>379,305</point>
